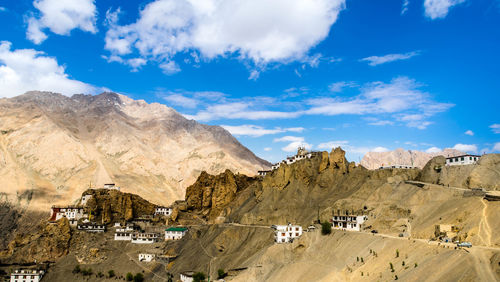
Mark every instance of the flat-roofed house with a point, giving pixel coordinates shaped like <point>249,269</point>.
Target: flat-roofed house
<point>463,160</point>
<point>175,233</point>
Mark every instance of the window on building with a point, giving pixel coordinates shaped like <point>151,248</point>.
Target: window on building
<point>462,159</point>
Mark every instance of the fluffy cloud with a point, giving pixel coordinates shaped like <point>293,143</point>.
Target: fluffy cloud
<point>495,128</point>
<point>61,17</point>
<point>295,143</point>
<point>435,9</point>
<point>433,150</point>
<point>260,31</point>
<point>341,85</point>
<point>496,147</point>
<point>257,131</point>
<point>378,60</point>
<point>350,148</point>
<point>23,70</point>
<point>469,132</point>
<point>404,9</point>
<point>466,148</point>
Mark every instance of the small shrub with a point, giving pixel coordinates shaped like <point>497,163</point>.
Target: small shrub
<point>139,277</point>
<point>357,258</point>
<point>397,253</point>
<point>416,265</point>
<point>129,277</point>
<point>361,273</point>
<point>362,260</point>
<point>100,275</point>
<point>111,273</point>
<point>221,274</point>
<point>76,269</point>
<point>199,276</point>
<point>391,266</point>
<point>395,277</point>
<point>326,228</point>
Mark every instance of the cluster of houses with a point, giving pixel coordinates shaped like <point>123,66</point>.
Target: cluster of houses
<point>302,154</point>
<point>26,275</point>
<point>450,161</point>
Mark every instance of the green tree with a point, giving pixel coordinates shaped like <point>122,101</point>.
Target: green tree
<point>138,277</point>
<point>129,276</point>
<point>111,273</point>
<point>199,276</point>
<point>76,269</point>
<point>326,228</point>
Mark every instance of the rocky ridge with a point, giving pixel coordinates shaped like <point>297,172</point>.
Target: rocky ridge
<point>374,160</point>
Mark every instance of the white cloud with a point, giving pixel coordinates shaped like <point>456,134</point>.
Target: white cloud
<point>340,86</point>
<point>404,9</point>
<point>435,9</point>
<point>61,17</point>
<point>350,148</point>
<point>268,149</point>
<point>495,128</point>
<point>260,31</point>
<point>295,143</point>
<point>3,9</point>
<point>466,148</point>
<point>239,110</point>
<point>469,132</point>
<point>23,70</point>
<point>332,144</point>
<point>496,147</point>
<point>180,100</point>
<point>380,149</point>
<point>378,60</point>
<point>257,131</point>
<point>433,150</point>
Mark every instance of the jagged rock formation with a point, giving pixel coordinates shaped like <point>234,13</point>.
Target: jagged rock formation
<point>374,160</point>
<point>56,145</point>
<point>109,206</point>
<point>210,193</point>
<point>49,244</point>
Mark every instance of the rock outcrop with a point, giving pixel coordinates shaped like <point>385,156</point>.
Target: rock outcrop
<point>211,193</point>
<point>374,160</point>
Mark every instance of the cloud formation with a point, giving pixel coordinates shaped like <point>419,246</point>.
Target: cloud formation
<point>469,148</point>
<point>23,70</point>
<point>295,143</point>
<point>469,132</point>
<point>438,9</point>
<point>258,31</point>
<point>257,131</point>
<point>61,17</point>
<point>495,128</point>
<point>378,60</point>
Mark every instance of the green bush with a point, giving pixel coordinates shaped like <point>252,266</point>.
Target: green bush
<point>221,274</point>
<point>111,273</point>
<point>326,228</point>
<point>129,277</point>
<point>199,276</point>
<point>138,277</point>
<point>397,253</point>
<point>76,269</point>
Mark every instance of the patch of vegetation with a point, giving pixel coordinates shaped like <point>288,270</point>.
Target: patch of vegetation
<point>221,274</point>
<point>199,276</point>
<point>87,272</point>
<point>416,265</point>
<point>397,253</point>
<point>129,276</point>
<point>391,266</point>
<point>138,277</point>
<point>111,273</point>
<point>326,228</point>
<point>76,269</point>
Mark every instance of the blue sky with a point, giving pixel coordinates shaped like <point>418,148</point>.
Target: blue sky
<point>365,75</point>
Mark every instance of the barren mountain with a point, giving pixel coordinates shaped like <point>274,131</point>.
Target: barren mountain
<point>52,147</point>
<point>374,160</point>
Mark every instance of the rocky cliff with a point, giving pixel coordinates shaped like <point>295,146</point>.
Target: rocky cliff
<point>374,160</point>
<point>57,146</point>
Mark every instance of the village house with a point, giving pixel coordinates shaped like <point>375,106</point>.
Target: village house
<point>26,275</point>
<point>286,233</point>
<point>111,186</point>
<point>72,213</point>
<point>91,227</point>
<point>187,276</point>
<point>85,198</point>
<point>396,166</point>
<point>146,257</point>
<point>263,172</point>
<point>463,160</point>
<point>163,211</point>
<point>145,238</point>
<point>175,233</point>
<point>350,222</point>
<point>123,236</point>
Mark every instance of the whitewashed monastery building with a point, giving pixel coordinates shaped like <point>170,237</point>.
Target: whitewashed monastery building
<point>72,213</point>
<point>302,154</point>
<point>286,233</point>
<point>26,275</point>
<point>348,222</point>
<point>146,257</point>
<point>163,211</point>
<point>463,160</point>
<point>145,238</point>
<point>175,233</point>
<point>92,227</point>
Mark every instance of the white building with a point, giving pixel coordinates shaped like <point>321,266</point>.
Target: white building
<point>163,211</point>
<point>463,160</point>
<point>348,222</point>
<point>92,227</point>
<point>111,186</point>
<point>286,233</point>
<point>123,236</point>
<point>263,172</point>
<point>302,154</point>
<point>146,257</point>
<point>397,166</point>
<point>72,213</point>
<point>275,166</point>
<point>187,276</point>
<point>175,233</point>
<point>26,275</point>
<point>85,198</point>
<point>145,238</point>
